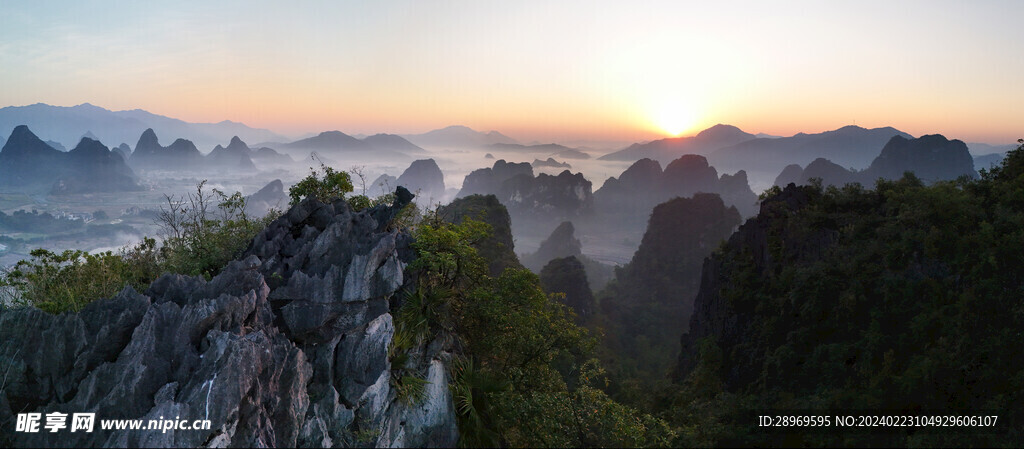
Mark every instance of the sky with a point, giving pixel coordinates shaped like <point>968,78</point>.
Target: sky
<point>535,70</point>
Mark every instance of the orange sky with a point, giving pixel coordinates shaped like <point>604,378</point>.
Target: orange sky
<point>532,70</point>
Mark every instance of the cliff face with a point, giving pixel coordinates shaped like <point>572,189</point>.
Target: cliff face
<point>287,346</point>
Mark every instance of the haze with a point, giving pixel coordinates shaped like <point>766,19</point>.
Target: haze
<point>569,71</point>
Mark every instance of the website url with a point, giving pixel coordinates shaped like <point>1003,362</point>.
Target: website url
<point>163,425</point>
<point>85,422</point>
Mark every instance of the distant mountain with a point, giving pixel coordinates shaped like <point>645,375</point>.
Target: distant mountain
<point>550,163</point>
<point>931,158</point>
<point>572,154</point>
<point>383,185</point>
<point>271,196</point>
<point>179,155</point>
<point>987,161</point>
<point>986,148</point>
<point>850,146</point>
<point>337,142</point>
<point>546,148</point>
<point>94,168</point>
<point>268,156</point>
<point>563,243</point>
<point>57,145</point>
<point>488,181</point>
<point>424,178</point>
<point>543,197</point>
<point>392,142</point>
<point>124,150</point>
<point>236,156</point>
<point>28,163</point>
<point>644,185</point>
<point>665,150</point>
<point>68,124</point>
<point>458,137</point>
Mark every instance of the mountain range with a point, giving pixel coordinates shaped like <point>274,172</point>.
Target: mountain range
<point>667,150</point>
<point>330,143</point>
<point>730,148</point>
<point>458,137</point>
<point>68,124</point>
<point>931,158</point>
<point>29,163</point>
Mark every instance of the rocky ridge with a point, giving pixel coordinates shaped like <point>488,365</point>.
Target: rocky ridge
<point>288,346</point>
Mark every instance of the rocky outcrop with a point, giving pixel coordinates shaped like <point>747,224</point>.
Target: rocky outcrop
<point>287,346</point>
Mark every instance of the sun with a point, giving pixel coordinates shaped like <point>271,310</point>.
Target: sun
<point>675,118</point>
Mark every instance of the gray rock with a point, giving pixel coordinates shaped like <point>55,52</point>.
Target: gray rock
<point>287,346</point>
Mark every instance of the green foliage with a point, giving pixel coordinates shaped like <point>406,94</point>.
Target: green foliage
<point>648,306</point>
<point>327,187</point>
<point>67,281</point>
<point>509,381</point>
<point>902,298</point>
<point>497,248</point>
<point>203,231</point>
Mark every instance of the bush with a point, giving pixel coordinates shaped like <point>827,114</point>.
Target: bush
<point>69,280</point>
<point>200,238</point>
<point>332,185</point>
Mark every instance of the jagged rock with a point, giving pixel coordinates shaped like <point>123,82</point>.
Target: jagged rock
<point>285,347</point>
